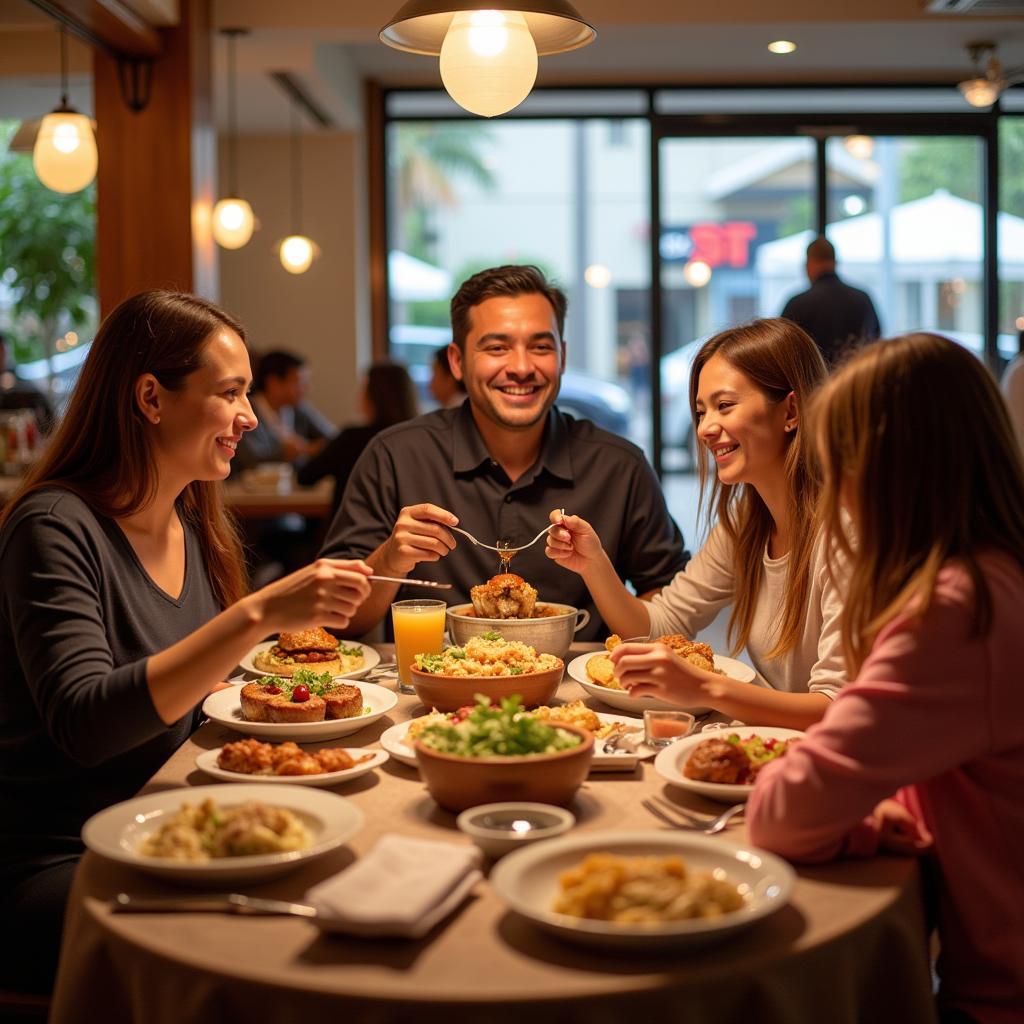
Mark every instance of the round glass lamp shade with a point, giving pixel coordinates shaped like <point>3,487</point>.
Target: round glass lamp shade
<point>64,155</point>
<point>488,61</point>
<point>297,253</point>
<point>233,223</point>
<point>980,92</point>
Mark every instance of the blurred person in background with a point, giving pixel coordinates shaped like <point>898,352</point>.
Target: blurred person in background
<point>388,396</point>
<point>837,316</point>
<point>20,394</point>
<point>1013,391</point>
<point>290,428</point>
<point>447,390</point>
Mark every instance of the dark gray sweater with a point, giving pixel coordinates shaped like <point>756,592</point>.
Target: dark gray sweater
<point>79,617</point>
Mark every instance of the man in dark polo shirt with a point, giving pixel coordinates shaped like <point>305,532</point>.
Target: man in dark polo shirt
<point>497,466</point>
<point>837,316</point>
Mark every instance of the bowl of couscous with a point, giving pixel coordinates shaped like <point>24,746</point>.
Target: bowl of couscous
<point>550,629</point>
<point>487,664</point>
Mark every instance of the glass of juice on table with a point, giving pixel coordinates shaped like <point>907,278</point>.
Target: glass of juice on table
<point>419,629</point>
<point>664,727</point>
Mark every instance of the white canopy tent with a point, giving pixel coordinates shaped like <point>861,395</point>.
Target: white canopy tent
<point>934,242</point>
<point>414,280</point>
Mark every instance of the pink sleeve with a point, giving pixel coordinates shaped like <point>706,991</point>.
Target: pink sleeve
<point>917,708</point>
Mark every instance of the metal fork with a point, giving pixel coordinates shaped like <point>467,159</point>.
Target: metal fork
<point>709,826</point>
<point>501,551</point>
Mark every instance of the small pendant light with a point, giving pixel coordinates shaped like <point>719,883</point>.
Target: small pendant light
<point>233,220</point>
<point>296,252</point>
<point>64,155</point>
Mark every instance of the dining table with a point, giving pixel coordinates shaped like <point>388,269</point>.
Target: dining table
<point>850,947</point>
<point>248,501</point>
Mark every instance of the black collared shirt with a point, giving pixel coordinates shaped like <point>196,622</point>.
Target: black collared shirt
<point>442,459</point>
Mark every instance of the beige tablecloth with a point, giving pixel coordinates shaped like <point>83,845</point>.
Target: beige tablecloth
<point>850,948</point>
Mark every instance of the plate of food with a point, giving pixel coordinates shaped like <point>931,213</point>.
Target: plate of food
<point>723,763</point>
<point>304,708</point>
<point>642,889</point>
<point>250,760</point>
<point>223,835</point>
<point>397,740</point>
<point>313,649</point>
<point>595,673</point>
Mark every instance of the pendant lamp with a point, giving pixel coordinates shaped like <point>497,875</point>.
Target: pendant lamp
<point>296,252</point>
<point>64,155</point>
<point>488,56</point>
<point>233,220</point>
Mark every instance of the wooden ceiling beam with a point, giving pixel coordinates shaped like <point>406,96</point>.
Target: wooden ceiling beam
<point>109,25</point>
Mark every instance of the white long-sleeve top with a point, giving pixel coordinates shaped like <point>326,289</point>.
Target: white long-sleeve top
<point>707,585</point>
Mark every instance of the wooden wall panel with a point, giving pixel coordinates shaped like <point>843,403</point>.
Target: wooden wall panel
<point>157,169</point>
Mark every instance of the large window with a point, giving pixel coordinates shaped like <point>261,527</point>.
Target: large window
<point>745,178</point>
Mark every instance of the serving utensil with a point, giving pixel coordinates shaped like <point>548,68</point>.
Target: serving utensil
<point>411,583</point>
<point>678,817</point>
<point>504,551</point>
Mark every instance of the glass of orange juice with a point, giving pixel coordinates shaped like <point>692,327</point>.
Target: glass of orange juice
<point>419,629</point>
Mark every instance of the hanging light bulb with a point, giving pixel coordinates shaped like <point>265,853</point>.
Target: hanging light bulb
<point>488,61</point>
<point>64,155</point>
<point>296,252</point>
<point>233,223</point>
<point>233,219</point>
<point>488,55</point>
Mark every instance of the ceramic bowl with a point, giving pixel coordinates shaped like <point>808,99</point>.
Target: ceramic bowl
<point>551,634</point>
<point>458,783</point>
<point>449,693</point>
<point>501,828</point>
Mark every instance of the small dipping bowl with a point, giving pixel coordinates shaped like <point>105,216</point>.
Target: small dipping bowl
<point>500,828</point>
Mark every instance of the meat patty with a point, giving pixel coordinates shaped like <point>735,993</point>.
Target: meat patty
<point>718,761</point>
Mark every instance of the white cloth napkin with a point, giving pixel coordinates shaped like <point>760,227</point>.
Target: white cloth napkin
<point>403,887</point>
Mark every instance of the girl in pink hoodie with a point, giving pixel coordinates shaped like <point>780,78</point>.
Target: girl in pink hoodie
<point>924,751</point>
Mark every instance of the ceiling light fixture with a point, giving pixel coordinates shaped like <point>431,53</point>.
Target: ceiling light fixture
<point>296,252</point>
<point>990,78</point>
<point>64,155</point>
<point>233,219</point>
<point>782,46</point>
<point>859,146</point>
<point>488,56</point>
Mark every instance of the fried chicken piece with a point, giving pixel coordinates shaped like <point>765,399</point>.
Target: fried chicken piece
<point>694,651</point>
<point>285,752</point>
<point>337,759</point>
<point>250,757</point>
<point>505,596</point>
<point>300,764</point>
<point>718,761</point>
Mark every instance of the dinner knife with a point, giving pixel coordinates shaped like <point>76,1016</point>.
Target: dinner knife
<point>231,903</point>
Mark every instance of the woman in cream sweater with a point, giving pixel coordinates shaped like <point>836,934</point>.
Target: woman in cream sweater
<point>764,554</point>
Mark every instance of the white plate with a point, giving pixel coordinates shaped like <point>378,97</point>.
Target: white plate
<point>670,761</point>
<point>577,669</point>
<point>116,832</point>
<point>528,881</point>
<point>370,659</point>
<point>207,762</point>
<point>393,741</point>
<point>225,707</point>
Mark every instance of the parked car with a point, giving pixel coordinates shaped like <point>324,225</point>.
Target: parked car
<point>581,395</point>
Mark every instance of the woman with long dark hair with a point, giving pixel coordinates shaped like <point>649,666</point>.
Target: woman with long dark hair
<point>388,397</point>
<point>122,594</point>
<point>919,453</point>
<point>749,388</point>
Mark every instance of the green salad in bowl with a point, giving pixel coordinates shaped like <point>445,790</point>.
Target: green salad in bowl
<point>497,730</point>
